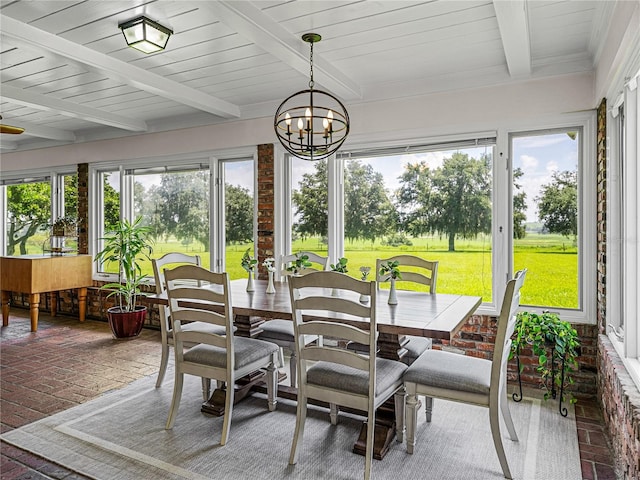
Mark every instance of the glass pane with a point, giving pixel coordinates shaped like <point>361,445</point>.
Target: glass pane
<point>28,217</point>
<point>545,206</point>
<point>435,205</point>
<point>239,198</point>
<point>176,206</point>
<point>110,209</point>
<point>310,206</point>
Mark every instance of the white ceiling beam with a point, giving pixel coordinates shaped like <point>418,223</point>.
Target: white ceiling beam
<point>70,109</point>
<point>117,69</point>
<point>514,30</point>
<point>250,23</point>
<point>41,131</point>
<point>5,145</point>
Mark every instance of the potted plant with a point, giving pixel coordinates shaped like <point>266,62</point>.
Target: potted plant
<point>126,245</point>
<point>249,263</point>
<point>269,264</point>
<point>65,227</point>
<point>300,263</point>
<point>364,274</point>
<point>557,346</point>
<point>340,266</point>
<point>390,270</point>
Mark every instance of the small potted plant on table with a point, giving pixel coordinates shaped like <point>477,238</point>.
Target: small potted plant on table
<point>125,246</point>
<point>390,271</point>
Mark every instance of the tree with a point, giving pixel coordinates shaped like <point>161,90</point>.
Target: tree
<point>311,202</point>
<point>369,213</point>
<point>182,206</point>
<point>558,204</point>
<point>28,210</point>
<point>238,213</point>
<point>453,200</point>
<point>111,205</point>
<point>519,206</point>
<point>413,198</point>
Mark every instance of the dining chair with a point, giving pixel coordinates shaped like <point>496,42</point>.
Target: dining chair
<point>467,379</point>
<point>193,292</point>
<point>336,375</point>
<point>166,330</point>
<point>280,332</point>
<point>422,272</point>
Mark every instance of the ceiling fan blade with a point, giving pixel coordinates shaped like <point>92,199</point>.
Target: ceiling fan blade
<point>10,129</point>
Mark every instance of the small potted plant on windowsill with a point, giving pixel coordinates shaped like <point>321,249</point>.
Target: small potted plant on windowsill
<point>125,246</point>
<point>556,344</point>
<point>390,271</point>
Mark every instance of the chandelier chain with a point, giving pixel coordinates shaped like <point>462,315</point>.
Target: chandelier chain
<point>311,67</point>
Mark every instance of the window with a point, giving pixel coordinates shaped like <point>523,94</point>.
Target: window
<point>545,206</point>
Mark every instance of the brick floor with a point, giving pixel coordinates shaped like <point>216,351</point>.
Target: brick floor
<point>67,363</point>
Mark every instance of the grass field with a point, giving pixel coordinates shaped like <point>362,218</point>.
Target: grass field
<point>552,261</point>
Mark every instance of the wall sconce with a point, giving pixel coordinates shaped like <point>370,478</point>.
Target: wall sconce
<point>145,35</point>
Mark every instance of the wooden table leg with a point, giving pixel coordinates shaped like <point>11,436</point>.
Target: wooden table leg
<point>34,306</point>
<point>6,295</point>
<point>53,298</point>
<point>82,303</point>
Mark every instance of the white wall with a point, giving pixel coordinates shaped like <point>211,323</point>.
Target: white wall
<point>456,112</point>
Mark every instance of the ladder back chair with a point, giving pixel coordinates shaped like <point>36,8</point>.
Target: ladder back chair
<point>335,375</point>
<point>221,356</point>
<point>423,272</point>
<point>166,331</point>
<point>465,379</point>
<point>280,332</point>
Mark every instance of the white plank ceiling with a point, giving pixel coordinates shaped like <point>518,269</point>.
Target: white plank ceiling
<point>67,75</point>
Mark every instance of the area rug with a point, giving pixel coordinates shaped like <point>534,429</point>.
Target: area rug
<point>121,436</point>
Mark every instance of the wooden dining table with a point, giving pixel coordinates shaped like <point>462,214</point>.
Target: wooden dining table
<point>437,316</point>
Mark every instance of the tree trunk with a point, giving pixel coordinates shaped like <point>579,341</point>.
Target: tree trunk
<point>452,246</point>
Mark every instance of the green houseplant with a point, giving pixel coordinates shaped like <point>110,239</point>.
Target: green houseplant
<point>340,266</point>
<point>125,246</point>
<point>557,346</point>
<point>300,263</point>
<point>391,270</point>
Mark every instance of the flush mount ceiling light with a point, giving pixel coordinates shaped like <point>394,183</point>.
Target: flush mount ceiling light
<point>311,124</point>
<point>145,35</point>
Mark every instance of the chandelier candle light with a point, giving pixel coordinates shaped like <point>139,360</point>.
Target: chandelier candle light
<point>311,124</point>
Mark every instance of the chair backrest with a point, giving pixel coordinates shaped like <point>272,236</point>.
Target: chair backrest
<point>198,295</point>
<point>172,258</point>
<point>310,294</point>
<point>320,263</point>
<point>506,326</point>
<point>427,275</point>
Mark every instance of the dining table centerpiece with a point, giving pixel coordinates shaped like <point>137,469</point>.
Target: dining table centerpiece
<point>300,263</point>
<point>271,270</point>
<point>341,267</point>
<point>389,270</point>
<point>249,264</point>
<point>364,274</point>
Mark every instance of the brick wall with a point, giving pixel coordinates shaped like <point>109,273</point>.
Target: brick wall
<point>618,394</point>
<point>265,206</point>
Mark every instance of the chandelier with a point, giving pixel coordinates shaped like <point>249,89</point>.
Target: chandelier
<point>311,124</point>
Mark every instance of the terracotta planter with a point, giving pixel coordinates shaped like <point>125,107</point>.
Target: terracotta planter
<point>126,324</point>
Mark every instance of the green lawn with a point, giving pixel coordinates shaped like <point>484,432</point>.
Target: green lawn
<point>552,262</point>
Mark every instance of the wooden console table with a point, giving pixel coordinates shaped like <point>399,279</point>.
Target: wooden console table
<point>36,274</point>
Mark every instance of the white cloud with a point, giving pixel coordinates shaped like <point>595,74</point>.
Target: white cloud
<point>528,162</point>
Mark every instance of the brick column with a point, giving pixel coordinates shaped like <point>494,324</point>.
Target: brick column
<point>601,212</point>
<point>83,208</point>
<point>265,199</point>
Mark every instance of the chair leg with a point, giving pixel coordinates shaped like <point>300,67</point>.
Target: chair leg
<point>206,388</point>
<point>371,424</point>
<point>293,368</point>
<point>428,407</point>
<point>164,360</point>
<point>228,410</point>
<point>412,420</point>
<point>175,401</point>
<point>281,362</point>
<point>333,413</point>
<point>494,418</point>
<point>301,416</point>
<point>399,405</point>
<point>272,385</point>
<point>506,414</point>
